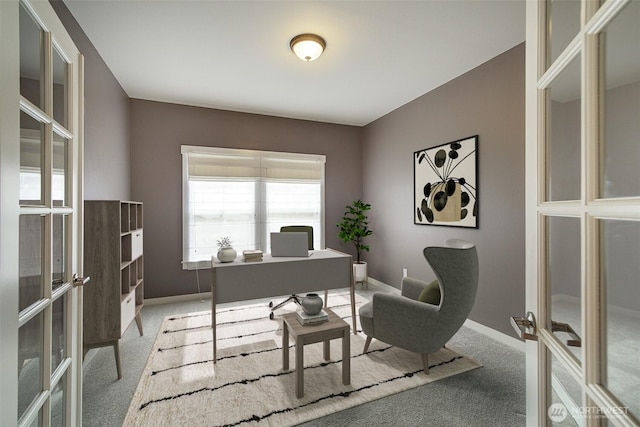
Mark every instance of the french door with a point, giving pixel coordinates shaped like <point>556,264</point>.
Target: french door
<point>583,212</point>
<point>41,218</point>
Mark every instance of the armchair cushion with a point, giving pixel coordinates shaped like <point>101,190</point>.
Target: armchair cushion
<point>431,293</point>
<point>411,287</point>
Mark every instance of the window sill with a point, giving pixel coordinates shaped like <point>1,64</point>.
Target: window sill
<point>196,265</point>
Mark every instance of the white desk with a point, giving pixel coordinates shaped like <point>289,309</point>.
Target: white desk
<point>274,276</point>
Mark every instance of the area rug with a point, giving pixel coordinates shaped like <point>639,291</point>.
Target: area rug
<point>181,386</point>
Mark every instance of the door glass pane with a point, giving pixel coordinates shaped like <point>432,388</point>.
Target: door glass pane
<point>566,397</point>
<point>620,175</point>
<point>30,260</point>
<point>59,251</point>
<point>60,68</point>
<point>620,252</point>
<point>30,59</point>
<point>563,263</point>
<point>58,402</point>
<point>563,135</point>
<point>30,353</point>
<point>59,332</point>
<point>564,25</point>
<point>59,180</point>
<point>31,155</point>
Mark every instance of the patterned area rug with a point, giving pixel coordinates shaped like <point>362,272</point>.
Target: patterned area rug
<point>180,384</point>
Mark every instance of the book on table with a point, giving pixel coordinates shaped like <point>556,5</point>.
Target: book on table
<point>252,255</point>
<point>311,319</point>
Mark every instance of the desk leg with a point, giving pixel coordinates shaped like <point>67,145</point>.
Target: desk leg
<point>213,326</point>
<point>346,358</point>
<point>213,311</point>
<point>353,306</point>
<point>299,368</point>
<point>326,350</point>
<point>285,346</point>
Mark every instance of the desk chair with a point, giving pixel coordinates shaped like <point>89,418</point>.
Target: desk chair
<point>288,229</point>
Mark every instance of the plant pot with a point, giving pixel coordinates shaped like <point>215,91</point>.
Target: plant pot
<point>227,254</point>
<point>360,272</point>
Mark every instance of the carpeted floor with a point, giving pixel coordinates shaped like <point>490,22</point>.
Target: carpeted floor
<point>491,396</point>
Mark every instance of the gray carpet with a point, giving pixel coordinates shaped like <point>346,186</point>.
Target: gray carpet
<point>493,395</point>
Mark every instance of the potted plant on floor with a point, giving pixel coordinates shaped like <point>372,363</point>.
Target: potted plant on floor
<point>354,227</point>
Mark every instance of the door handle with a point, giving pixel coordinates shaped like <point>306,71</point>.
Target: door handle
<point>575,340</point>
<point>525,327</point>
<point>80,281</point>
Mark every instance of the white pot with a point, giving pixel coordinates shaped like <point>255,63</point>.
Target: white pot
<point>360,272</point>
<point>227,254</point>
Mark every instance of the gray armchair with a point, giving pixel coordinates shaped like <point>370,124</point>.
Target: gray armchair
<point>406,322</point>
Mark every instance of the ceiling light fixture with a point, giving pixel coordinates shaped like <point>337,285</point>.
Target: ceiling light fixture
<point>307,47</point>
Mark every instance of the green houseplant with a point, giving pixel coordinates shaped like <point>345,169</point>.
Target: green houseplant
<point>354,227</point>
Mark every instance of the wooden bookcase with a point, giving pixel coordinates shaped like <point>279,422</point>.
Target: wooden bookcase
<point>113,258</point>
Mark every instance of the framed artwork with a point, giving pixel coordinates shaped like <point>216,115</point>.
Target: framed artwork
<point>446,184</point>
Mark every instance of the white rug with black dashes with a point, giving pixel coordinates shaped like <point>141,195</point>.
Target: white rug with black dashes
<point>180,385</point>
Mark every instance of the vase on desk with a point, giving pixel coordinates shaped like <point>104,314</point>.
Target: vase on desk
<point>312,304</point>
<point>227,254</point>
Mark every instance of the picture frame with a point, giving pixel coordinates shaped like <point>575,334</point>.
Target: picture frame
<point>446,184</point>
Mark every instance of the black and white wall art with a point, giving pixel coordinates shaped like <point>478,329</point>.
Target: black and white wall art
<point>446,184</point>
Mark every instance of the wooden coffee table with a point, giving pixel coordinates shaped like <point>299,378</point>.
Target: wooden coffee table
<point>334,328</point>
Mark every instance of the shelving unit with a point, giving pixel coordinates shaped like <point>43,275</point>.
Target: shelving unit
<point>113,258</point>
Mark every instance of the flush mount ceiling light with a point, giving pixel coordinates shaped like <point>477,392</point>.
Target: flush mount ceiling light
<point>307,47</point>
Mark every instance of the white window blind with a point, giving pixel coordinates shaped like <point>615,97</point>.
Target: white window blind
<point>245,195</point>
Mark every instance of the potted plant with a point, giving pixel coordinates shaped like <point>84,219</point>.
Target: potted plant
<point>354,227</point>
<point>226,253</point>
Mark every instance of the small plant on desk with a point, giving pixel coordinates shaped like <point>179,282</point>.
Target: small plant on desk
<point>226,252</point>
<point>225,242</point>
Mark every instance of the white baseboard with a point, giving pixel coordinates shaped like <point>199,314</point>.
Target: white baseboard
<point>475,326</point>
<point>383,286</point>
<point>612,309</point>
<point>502,338</point>
<point>177,298</point>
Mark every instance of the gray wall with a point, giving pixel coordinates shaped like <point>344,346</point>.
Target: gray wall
<point>487,101</point>
<point>132,151</point>
<point>106,131</point>
<point>157,132</point>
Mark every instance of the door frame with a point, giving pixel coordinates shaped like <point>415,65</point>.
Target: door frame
<point>9,209</point>
<point>588,210</point>
<point>11,103</point>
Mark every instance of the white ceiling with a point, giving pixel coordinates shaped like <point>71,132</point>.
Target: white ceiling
<point>235,55</point>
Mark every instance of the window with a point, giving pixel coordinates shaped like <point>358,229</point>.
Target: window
<point>246,195</point>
